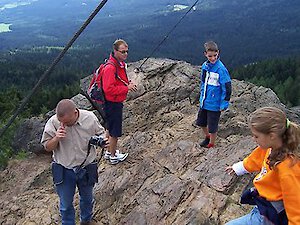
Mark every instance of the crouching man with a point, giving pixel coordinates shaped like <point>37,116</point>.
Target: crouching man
<point>67,135</point>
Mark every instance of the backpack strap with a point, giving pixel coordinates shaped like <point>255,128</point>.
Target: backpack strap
<point>116,74</point>
<point>95,74</point>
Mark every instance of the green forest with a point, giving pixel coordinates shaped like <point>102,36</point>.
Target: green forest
<point>281,75</point>
<point>20,71</point>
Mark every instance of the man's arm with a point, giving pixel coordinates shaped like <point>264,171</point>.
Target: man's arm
<point>52,143</point>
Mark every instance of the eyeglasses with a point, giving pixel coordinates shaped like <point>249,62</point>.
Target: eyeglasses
<point>123,51</point>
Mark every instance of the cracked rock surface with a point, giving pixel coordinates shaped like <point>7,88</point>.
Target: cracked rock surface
<point>167,179</point>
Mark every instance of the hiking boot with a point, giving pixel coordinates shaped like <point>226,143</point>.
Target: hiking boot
<point>205,142</point>
<point>119,157</point>
<point>107,154</point>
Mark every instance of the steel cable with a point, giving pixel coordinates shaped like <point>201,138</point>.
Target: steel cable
<point>51,67</point>
<point>165,38</point>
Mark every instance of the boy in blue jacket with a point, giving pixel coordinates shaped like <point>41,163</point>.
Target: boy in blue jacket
<point>215,93</point>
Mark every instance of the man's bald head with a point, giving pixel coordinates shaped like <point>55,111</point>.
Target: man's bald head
<point>65,107</point>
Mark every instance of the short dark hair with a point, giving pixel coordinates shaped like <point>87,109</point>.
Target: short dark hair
<point>211,46</point>
<point>64,107</point>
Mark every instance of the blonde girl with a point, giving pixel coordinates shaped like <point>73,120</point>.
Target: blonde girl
<point>277,159</point>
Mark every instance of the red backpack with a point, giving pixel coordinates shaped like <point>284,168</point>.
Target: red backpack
<point>95,90</point>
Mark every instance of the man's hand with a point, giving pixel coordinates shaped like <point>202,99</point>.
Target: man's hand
<point>106,143</point>
<point>132,86</point>
<point>61,132</point>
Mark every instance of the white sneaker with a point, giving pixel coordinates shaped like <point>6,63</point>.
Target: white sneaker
<point>119,157</point>
<point>107,154</point>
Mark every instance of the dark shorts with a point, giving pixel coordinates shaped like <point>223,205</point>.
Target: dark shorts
<point>209,119</point>
<point>113,112</point>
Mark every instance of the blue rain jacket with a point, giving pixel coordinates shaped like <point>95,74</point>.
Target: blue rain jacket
<point>215,86</point>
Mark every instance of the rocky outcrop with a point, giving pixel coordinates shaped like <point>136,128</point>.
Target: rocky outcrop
<point>168,178</point>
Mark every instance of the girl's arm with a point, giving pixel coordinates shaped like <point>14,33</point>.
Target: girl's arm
<point>251,163</point>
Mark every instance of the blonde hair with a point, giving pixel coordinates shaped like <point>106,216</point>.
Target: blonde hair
<point>119,42</point>
<point>268,120</point>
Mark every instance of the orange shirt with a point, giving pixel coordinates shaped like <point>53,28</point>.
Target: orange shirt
<point>281,183</point>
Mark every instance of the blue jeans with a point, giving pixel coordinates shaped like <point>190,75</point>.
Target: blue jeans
<point>253,218</point>
<point>66,191</point>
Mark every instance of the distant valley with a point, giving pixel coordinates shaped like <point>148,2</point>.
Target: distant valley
<point>258,40</point>
<point>6,4</point>
<point>246,31</point>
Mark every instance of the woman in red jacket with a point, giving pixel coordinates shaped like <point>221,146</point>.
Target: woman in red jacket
<point>116,86</point>
<point>277,159</point>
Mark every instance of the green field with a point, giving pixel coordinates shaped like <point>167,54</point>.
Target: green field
<point>4,27</point>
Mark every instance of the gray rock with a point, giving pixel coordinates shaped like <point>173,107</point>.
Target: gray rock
<point>28,136</point>
<point>167,178</point>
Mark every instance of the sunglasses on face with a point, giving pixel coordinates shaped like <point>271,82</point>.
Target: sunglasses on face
<point>123,51</point>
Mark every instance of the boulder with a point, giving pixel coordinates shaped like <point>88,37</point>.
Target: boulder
<point>167,178</point>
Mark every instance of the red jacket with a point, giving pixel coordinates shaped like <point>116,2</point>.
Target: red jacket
<point>115,89</point>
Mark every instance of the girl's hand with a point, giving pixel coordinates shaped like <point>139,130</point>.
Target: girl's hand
<point>229,170</point>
